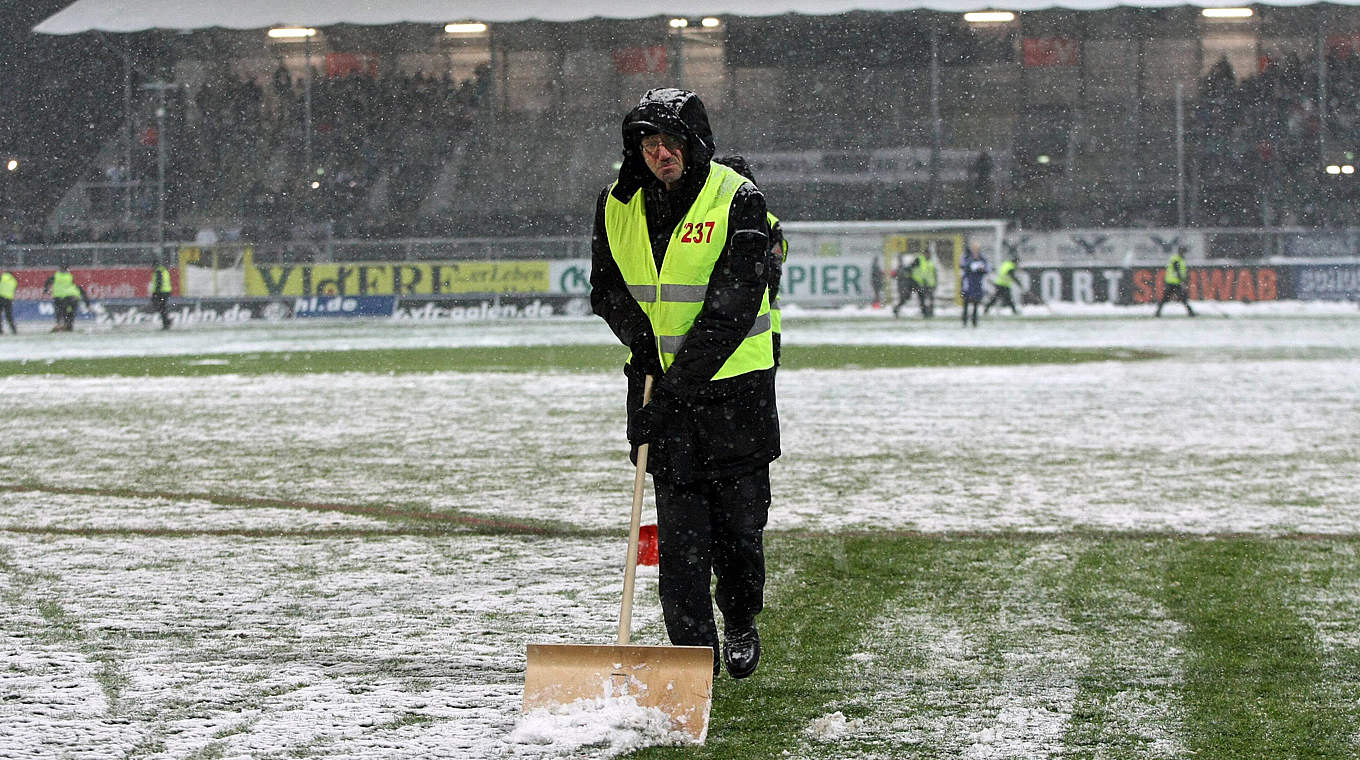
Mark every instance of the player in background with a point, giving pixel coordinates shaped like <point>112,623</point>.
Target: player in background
<point>972,273</point>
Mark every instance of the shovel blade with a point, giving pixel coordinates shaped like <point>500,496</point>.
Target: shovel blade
<point>678,681</point>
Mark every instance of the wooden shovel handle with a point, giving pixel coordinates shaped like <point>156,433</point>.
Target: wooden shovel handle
<point>634,523</point>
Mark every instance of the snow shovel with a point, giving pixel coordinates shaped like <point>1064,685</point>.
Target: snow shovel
<point>676,680</point>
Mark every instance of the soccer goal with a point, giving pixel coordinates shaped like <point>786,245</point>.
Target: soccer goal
<point>839,263</point>
<point>217,271</point>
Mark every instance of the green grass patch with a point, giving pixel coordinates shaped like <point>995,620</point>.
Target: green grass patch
<point>575,358</point>
<point>1168,646</point>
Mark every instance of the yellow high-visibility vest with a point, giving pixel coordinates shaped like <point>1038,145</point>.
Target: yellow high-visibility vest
<point>1174,267</point>
<point>160,284</point>
<point>673,297</point>
<point>64,285</point>
<point>9,285</point>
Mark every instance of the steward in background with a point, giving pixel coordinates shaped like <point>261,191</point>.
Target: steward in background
<point>924,279</point>
<point>678,272</point>
<point>160,293</point>
<point>9,285</point>
<point>1176,275</point>
<point>1005,279</point>
<point>903,279</point>
<point>777,254</point>
<point>66,297</point>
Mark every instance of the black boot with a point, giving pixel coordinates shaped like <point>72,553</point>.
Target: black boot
<point>741,651</point>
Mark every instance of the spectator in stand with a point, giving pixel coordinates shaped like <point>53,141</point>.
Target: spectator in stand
<point>9,285</point>
<point>972,274</point>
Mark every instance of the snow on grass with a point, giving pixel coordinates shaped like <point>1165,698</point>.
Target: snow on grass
<point>361,647</point>
<point>353,643</point>
<point>998,668</point>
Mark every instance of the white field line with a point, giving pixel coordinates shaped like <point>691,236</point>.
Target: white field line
<point>999,676</point>
<point>364,647</point>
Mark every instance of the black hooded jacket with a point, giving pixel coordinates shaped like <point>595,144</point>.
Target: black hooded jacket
<point>724,427</point>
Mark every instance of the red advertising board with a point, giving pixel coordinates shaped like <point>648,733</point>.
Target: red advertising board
<point>112,282</point>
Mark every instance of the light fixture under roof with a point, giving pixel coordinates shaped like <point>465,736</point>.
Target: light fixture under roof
<point>1227,12</point>
<point>291,33</point>
<point>465,27</point>
<point>988,17</point>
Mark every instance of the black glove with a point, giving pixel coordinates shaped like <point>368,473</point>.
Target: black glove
<point>649,423</point>
<point>644,358</point>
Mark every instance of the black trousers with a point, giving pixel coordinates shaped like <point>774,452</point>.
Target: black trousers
<point>970,303</point>
<point>65,310</point>
<point>1176,291</point>
<point>712,528</point>
<point>160,303</point>
<point>7,315</point>
<point>1003,295</point>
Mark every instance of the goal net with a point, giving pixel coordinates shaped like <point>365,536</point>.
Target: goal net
<point>217,271</point>
<point>834,263</point>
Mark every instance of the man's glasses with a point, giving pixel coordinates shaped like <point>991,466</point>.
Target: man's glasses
<point>653,143</point>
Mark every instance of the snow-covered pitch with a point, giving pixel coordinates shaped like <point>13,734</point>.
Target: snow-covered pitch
<point>182,574</point>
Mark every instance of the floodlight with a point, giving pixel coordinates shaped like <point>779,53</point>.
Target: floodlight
<point>710,22</point>
<point>1333,169</point>
<point>1226,12</point>
<point>12,164</point>
<point>466,27</point>
<point>1347,169</point>
<point>679,23</point>
<point>291,33</point>
<point>1043,159</point>
<point>988,17</point>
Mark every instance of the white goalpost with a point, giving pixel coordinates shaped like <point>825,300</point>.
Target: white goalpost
<point>832,263</point>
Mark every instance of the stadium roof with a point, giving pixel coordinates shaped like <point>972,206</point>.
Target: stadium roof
<point>141,15</point>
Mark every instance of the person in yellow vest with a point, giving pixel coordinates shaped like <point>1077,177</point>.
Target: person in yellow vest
<point>1176,277</point>
<point>9,285</point>
<point>775,255</point>
<point>66,297</point>
<point>160,292</point>
<point>679,262</point>
<point>924,279</point>
<point>1005,280</point>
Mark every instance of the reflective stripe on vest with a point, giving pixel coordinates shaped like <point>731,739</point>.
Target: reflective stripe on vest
<point>1173,272</point>
<point>673,297</point>
<point>9,285</point>
<point>64,285</point>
